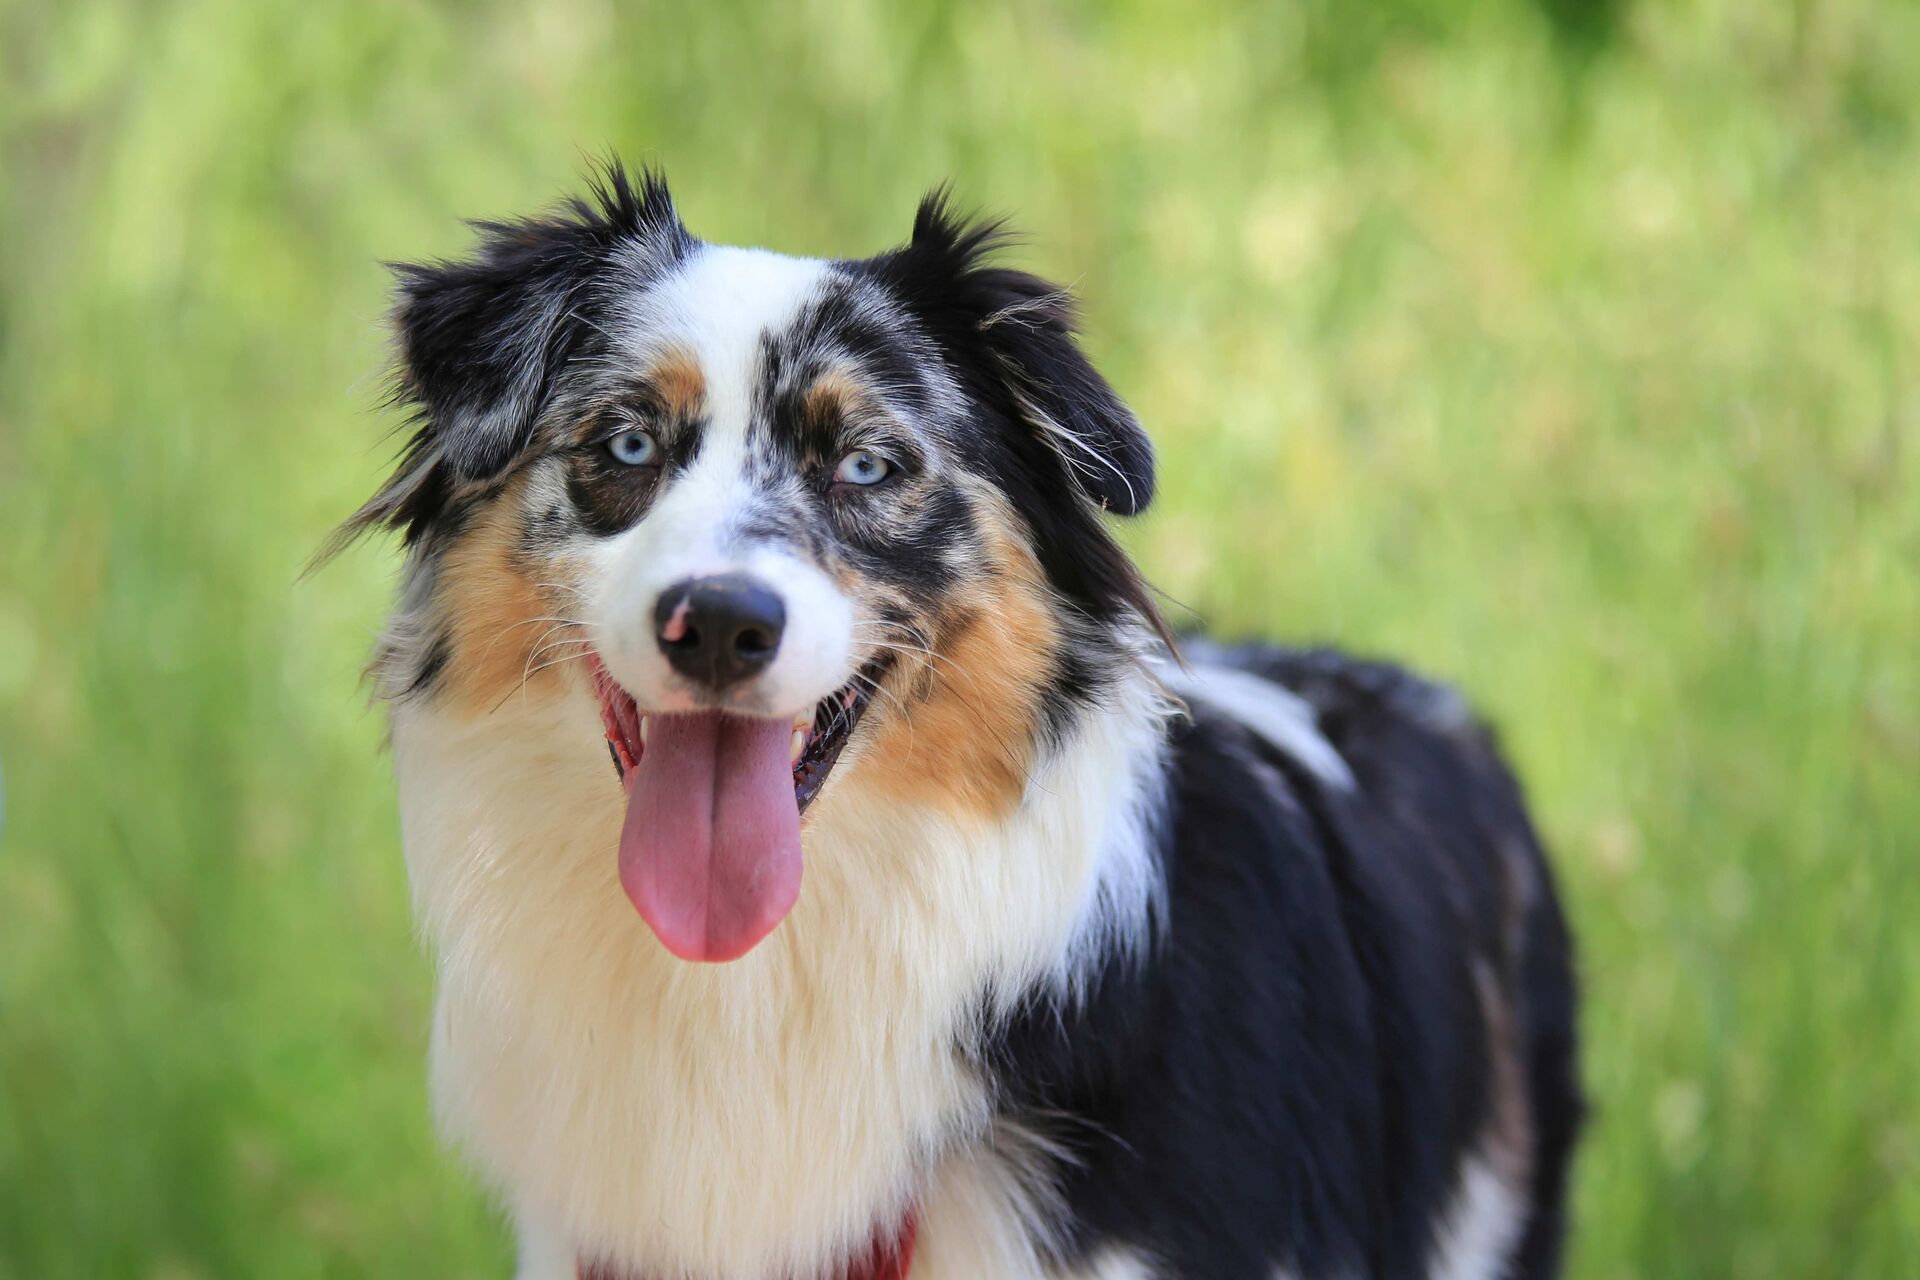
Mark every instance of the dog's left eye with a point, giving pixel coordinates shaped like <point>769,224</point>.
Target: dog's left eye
<point>634,448</point>
<point>863,468</point>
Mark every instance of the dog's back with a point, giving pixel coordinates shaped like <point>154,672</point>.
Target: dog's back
<point>1353,1050</point>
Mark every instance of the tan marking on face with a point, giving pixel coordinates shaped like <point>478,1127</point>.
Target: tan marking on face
<point>496,612</point>
<point>965,741</point>
<point>834,393</point>
<point>839,398</point>
<point>676,377</point>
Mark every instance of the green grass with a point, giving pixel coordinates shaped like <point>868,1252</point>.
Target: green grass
<point>1575,363</point>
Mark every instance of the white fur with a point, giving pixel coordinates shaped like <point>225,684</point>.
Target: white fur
<point>1481,1227</point>
<point>544,1256</point>
<point>737,1121</point>
<point>716,310</point>
<point>1276,713</point>
<point>684,537</point>
<point>1116,1264</point>
<point>991,1209</point>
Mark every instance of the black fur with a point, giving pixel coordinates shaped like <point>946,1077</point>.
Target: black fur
<point>1023,327</point>
<point>1295,1076</point>
<point>481,340</point>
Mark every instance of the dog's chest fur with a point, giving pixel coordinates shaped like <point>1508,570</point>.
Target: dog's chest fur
<point>762,1117</point>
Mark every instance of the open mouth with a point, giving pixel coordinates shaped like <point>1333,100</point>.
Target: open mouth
<point>710,849</point>
<point>813,748</point>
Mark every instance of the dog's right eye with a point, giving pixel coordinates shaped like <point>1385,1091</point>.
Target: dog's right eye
<point>634,448</point>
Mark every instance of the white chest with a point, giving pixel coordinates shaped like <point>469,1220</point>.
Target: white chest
<point>744,1119</point>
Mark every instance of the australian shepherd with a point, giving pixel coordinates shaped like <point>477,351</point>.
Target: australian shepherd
<point>833,867</point>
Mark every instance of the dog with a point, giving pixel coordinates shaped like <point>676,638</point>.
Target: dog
<point>835,869</point>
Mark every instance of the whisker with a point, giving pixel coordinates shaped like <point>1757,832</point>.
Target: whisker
<point>540,641</point>
<point>906,717</point>
<point>923,649</point>
<point>511,627</point>
<point>541,645</point>
<point>555,644</point>
<point>532,671</point>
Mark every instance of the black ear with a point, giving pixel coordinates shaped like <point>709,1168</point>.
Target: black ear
<point>478,343</point>
<point>1064,396</point>
<point>481,340</point>
<point>1027,326</point>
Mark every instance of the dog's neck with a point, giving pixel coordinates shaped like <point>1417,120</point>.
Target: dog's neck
<point>768,1116</point>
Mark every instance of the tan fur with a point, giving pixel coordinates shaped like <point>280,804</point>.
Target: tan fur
<point>965,741</point>
<point>839,395</point>
<point>833,394</point>
<point>837,398</point>
<point>676,376</point>
<point>497,614</point>
<point>1509,1140</point>
<point>1482,1225</point>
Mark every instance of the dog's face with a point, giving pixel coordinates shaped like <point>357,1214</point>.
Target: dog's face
<point>807,526</point>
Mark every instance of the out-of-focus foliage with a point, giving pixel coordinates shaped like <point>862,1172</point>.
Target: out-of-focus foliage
<point>1566,350</point>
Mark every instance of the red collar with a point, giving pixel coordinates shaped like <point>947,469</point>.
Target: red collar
<point>886,1260</point>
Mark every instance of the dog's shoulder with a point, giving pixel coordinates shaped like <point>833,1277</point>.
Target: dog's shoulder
<point>1313,1027</point>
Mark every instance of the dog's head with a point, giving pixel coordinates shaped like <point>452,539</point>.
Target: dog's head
<point>807,525</point>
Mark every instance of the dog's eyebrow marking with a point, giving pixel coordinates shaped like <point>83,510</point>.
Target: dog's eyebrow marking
<point>676,379</point>
<point>840,399</point>
<point>669,392</point>
<point>834,392</point>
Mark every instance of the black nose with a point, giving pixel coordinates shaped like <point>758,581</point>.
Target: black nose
<point>716,631</point>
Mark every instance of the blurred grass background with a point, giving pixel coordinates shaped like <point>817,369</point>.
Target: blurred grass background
<point>1564,349</point>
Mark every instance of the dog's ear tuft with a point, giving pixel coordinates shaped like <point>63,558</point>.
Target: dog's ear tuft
<point>477,341</point>
<point>638,212</point>
<point>1028,326</point>
<point>953,240</point>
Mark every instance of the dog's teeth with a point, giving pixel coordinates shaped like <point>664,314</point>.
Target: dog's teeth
<point>795,747</point>
<point>643,730</point>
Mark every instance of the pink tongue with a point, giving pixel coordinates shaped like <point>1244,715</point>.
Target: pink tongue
<point>710,852</point>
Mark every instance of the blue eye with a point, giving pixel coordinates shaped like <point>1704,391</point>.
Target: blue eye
<point>634,448</point>
<point>863,468</point>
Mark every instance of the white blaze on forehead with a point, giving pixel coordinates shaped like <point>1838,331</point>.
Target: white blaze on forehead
<point>717,311</point>
<point>717,308</point>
